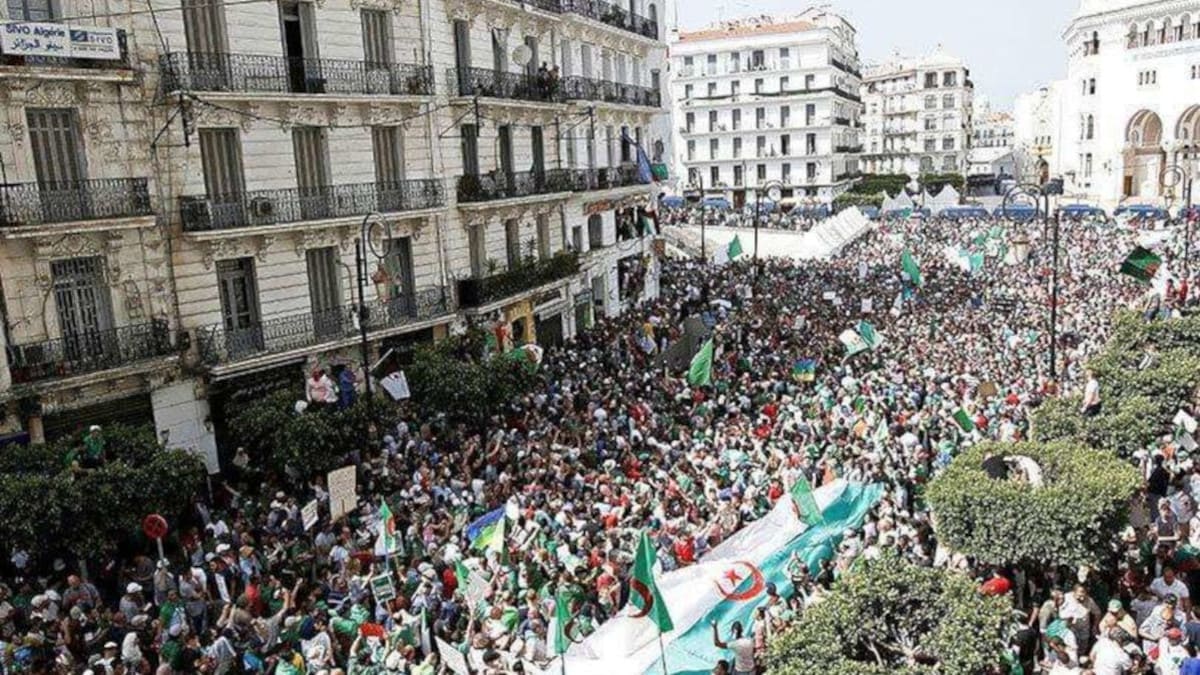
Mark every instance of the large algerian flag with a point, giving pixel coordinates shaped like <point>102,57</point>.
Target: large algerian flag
<point>909,265</point>
<point>562,622</point>
<point>853,342</point>
<point>869,336</point>
<point>700,372</point>
<point>387,542</point>
<point>806,505</point>
<point>735,247</point>
<point>643,591</point>
<point>727,584</point>
<point>1142,264</point>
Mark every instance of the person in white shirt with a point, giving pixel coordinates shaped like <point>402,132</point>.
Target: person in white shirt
<point>742,647</point>
<point>1110,658</point>
<point>1169,584</point>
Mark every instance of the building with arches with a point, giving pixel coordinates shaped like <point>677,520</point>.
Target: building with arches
<point>1131,101</point>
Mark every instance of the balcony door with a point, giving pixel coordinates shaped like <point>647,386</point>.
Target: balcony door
<point>58,159</point>
<point>299,33</point>
<point>539,156</point>
<point>507,173</point>
<point>84,305</point>
<point>378,50</point>
<point>310,147</point>
<point>324,291</point>
<point>387,144</point>
<point>44,11</point>
<point>402,285</point>
<point>224,182</point>
<point>240,316</point>
<point>208,66</point>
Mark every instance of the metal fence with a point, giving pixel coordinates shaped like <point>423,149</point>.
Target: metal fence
<point>198,71</point>
<point>500,185</point>
<point>613,15</point>
<point>93,199</point>
<point>88,352</point>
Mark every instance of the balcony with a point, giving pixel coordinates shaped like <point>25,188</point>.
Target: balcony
<point>552,6</point>
<point>498,185</point>
<point>89,62</point>
<point>24,204</point>
<point>841,121</point>
<point>219,345</point>
<point>254,73</point>
<point>528,275</point>
<point>846,68</point>
<point>613,15</point>
<point>276,207</point>
<point>514,86</point>
<point>587,89</point>
<point>604,179</point>
<point>88,352</point>
<point>852,149</point>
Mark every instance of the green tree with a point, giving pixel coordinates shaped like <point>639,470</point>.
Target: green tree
<point>890,617</point>
<point>50,509</point>
<point>451,378</point>
<point>1069,520</point>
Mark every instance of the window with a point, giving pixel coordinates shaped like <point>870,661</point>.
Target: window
<point>810,82</point>
<point>1087,165</point>
<point>690,122</point>
<point>785,116</point>
<point>626,146</point>
<point>237,288</point>
<point>931,80</point>
<point>760,146</point>
<point>377,37</point>
<point>810,171</point>
<point>324,290</point>
<point>311,151</point>
<point>577,236</point>
<point>930,102</point>
<point>712,120</point>
<point>221,160</point>
<point>948,143</point>
<point>783,84</point>
<point>810,114</point>
<point>785,172</point>
<point>710,64</point>
<point>84,304</point>
<point>758,85</point>
<point>785,57</point>
<point>950,79</point>
<point>785,145</point>
<point>387,144</point>
<point>691,150</point>
<point>714,148</point>
<point>512,242</point>
<point>810,144</point>
<point>57,149</point>
<point>930,123</point>
<point>758,60</point>
<point>687,92</point>
<point>1092,46</point>
<point>401,280</point>
<point>760,118</point>
<point>948,102</point>
<point>714,175</point>
<point>930,144</point>
<point>1091,86</point>
<point>477,249</point>
<point>735,88</point>
<point>949,163</point>
<point>1196,72</point>
<point>203,21</point>
<point>712,89</point>
<point>595,231</point>
<point>737,176</point>
<point>1090,128</point>
<point>737,148</point>
<point>761,172</point>
<point>736,119</point>
<point>735,62</point>
<point>543,235</point>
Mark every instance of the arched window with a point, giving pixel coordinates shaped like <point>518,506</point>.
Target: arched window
<point>1132,37</point>
<point>1091,127</point>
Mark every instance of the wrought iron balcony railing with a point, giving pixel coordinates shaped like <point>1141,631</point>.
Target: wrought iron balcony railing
<point>121,63</point>
<point>846,68</point>
<point>552,6</point>
<point>842,121</point>
<point>219,344</point>
<point>587,89</point>
<point>67,202</point>
<point>198,71</point>
<point>848,148</point>
<point>540,88</point>
<point>604,178</point>
<point>613,15</point>
<point>526,276</point>
<point>88,352</point>
<point>291,205</point>
<point>499,185</point>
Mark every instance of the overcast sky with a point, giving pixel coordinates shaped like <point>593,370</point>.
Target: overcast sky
<point>1011,46</point>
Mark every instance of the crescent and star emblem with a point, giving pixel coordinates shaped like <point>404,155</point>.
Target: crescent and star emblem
<point>732,580</point>
<point>636,586</point>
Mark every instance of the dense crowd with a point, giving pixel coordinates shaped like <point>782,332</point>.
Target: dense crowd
<point>772,218</point>
<point>612,443</point>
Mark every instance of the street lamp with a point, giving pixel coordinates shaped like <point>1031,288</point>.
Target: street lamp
<point>774,190</point>
<point>375,239</point>
<point>1181,174</point>
<point>1025,193</point>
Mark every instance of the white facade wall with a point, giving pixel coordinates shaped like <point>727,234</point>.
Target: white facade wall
<point>918,115</point>
<point>1134,71</point>
<point>766,102</point>
<point>1037,132</point>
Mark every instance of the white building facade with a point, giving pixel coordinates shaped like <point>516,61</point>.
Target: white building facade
<point>768,99</point>
<point>1037,133</point>
<point>918,115</point>
<point>490,145</point>
<point>1131,100</point>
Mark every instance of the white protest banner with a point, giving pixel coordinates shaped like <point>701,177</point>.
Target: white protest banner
<point>27,38</point>
<point>396,385</point>
<point>477,588</point>
<point>343,491</point>
<point>867,305</point>
<point>309,515</point>
<point>452,658</point>
<point>382,588</point>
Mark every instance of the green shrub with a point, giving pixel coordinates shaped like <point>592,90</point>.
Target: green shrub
<point>1070,520</point>
<point>887,612</point>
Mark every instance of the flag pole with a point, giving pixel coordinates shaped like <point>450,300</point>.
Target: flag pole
<point>663,651</point>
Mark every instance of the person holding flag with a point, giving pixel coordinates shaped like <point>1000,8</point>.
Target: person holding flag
<point>644,596</point>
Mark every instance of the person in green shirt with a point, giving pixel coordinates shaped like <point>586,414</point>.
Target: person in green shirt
<point>93,448</point>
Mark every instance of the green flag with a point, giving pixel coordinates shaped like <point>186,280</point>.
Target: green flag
<point>869,336</point>
<point>562,622</point>
<point>644,593</point>
<point>964,420</point>
<point>806,504</point>
<point>735,247</point>
<point>700,372</point>
<point>1141,264</point>
<point>910,267</point>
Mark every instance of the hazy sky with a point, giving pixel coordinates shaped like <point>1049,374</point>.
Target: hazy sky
<point>1011,46</point>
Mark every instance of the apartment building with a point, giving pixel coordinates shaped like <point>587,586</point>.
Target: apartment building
<point>918,115</point>
<point>484,147</point>
<point>765,99</point>
<point>1037,132</point>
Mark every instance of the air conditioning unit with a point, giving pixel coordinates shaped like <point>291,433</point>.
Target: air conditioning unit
<point>261,207</point>
<point>196,213</point>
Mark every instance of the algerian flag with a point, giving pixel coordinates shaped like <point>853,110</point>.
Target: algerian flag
<point>869,336</point>
<point>1142,264</point>
<point>853,341</point>
<point>806,504</point>
<point>964,420</point>
<point>562,622</point>
<point>648,227</point>
<point>387,541</point>
<point>644,593</point>
<point>911,270</point>
<point>881,431</point>
<point>700,372</point>
<point>735,248</point>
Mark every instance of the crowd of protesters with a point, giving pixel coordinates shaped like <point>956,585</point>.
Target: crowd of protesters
<point>613,443</point>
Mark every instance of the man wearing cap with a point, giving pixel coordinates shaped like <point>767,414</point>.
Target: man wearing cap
<point>132,602</point>
<point>1116,618</point>
<point>1169,654</point>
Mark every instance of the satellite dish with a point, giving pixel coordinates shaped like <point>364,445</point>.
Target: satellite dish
<point>522,54</point>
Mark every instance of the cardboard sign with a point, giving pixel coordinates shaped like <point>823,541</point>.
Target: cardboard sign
<point>382,588</point>
<point>343,491</point>
<point>309,515</point>
<point>396,385</point>
<point>452,659</point>
<point>987,390</point>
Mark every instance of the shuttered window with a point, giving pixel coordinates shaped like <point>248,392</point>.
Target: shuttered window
<point>56,146</point>
<point>204,26</point>
<point>377,36</point>
<point>221,158</point>
<point>324,290</point>
<point>388,146</point>
<point>239,295</point>
<point>82,296</point>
